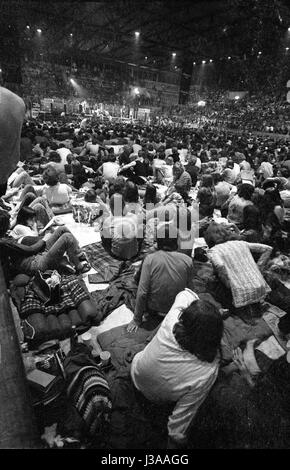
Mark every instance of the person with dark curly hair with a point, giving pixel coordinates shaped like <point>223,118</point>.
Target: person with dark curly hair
<point>239,202</point>
<point>253,231</point>
<point>181,362</point>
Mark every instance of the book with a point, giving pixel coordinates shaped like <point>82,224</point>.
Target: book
<point>41,380</point>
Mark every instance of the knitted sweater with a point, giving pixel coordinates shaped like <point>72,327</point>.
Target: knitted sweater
<point>237,268</point>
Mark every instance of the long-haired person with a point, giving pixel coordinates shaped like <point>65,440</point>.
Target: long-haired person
<point>36,254</point>
<point>180,364</point>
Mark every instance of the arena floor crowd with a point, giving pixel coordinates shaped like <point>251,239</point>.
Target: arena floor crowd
<point>154,262</point>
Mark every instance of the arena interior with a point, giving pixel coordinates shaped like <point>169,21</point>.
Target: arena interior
<point>145,225</point>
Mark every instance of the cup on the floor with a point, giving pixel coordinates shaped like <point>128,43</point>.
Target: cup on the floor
<point>86,339</point>
<point>105,357</point>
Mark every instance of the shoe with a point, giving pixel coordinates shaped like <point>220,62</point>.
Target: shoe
<point>84,268</point>
<point>83,257</point>
<point>66,267</point>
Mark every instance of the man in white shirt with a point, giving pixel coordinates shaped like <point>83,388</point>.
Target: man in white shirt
<point>136,146</point>
<point>110,169</point>
<point>58,194</point>
<point>244,165</point>
<point>266,168</point>
<point>168,152</point>
<point>183,152</point>
<point>180,364</point>
<point>63,152</point>
<point>231,172</point>
<point>92,148</point>
<point>236,169</point>
<point>198,163</point>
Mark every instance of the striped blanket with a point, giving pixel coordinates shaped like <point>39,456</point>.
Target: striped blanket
<point>237,268</point>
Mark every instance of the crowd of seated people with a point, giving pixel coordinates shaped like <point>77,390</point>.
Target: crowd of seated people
<point>158,190</point>
<point>50,79</point>
<point>264,112</point>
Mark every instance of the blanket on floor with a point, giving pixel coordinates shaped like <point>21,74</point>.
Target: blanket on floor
<point>236,332</point>
<point>237,416</point>
<point>123,345</point>
<point>135,422</point>
<point>102,261</point>
<point>122,290</point>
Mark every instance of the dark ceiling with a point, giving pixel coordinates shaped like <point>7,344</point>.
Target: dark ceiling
<point>190,28</point>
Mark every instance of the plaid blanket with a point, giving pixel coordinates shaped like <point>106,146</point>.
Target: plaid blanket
<point>71,296</point>
<point>102,261</point>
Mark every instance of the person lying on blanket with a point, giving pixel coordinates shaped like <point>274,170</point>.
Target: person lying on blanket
<point>181,363</point>
<point>27,223</point>
<point>36,254</point>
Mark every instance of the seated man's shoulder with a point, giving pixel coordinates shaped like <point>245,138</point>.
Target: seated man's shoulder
<point>64,186</point>
<point>182,256</point>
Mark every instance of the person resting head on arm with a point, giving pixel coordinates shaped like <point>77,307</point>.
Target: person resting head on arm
<point>37,254</point>
<point>25,224</point>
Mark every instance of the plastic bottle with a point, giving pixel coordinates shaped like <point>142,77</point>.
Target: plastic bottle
<point>74,337</point>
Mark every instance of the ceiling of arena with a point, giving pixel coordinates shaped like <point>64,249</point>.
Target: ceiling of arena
<point>107,29</point>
